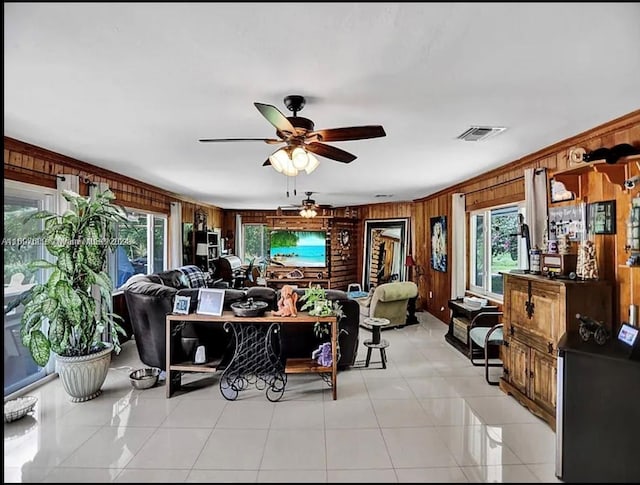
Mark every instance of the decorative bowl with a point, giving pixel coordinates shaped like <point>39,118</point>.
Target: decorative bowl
<point>144,378</point>
<point>18,408</point>
<point>249,308</point>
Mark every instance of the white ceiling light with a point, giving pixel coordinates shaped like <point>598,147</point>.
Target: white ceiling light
<point>290,161</point>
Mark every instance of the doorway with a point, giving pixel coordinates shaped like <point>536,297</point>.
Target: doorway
<point>385,252</point>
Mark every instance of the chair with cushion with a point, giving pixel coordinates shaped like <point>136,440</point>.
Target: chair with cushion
<point>390,301</point>
<point>482,337</point>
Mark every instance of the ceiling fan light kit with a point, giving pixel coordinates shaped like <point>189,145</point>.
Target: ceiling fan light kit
<point>290,161</point>
<point>308,213</point>
<point>302,140</point>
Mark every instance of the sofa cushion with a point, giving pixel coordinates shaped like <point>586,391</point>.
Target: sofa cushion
<point>396,291</point>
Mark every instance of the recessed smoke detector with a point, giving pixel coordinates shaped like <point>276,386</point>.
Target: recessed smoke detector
<point>478,133</point>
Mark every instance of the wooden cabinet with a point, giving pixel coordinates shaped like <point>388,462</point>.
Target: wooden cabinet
<point>538,311</point>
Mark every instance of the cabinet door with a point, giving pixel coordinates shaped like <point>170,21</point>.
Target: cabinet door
<point>534,307</point>
<point>518,365</point>
<point>543,380</point>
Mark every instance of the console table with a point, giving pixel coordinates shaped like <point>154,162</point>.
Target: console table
<point>461,316</point>
<point>255,360</point>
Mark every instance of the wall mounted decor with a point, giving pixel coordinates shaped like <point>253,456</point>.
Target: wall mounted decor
<point>558,191</point>
<point>439,243</point>
<point>601,217</point>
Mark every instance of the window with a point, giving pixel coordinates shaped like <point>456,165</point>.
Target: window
<point>495,247</point>
<point>255,243</point>
<point>143,248</point>
<point>21,200</point>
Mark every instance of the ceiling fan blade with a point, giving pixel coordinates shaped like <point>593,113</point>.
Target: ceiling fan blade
<point>266,163</point>
<point>350,133</point>
<point>266,140</point>
<point>328,151</point>
<point>276,118</point>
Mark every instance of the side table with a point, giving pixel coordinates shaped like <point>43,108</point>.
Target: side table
<point>376,342</point>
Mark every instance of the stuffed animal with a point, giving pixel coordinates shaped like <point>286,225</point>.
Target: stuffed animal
<point>287,302</point>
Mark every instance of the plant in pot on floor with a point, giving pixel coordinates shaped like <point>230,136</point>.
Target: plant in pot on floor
<point>315,300</point>
<point>70,312</point>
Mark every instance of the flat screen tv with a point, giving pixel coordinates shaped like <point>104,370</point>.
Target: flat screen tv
<point>299,248</point>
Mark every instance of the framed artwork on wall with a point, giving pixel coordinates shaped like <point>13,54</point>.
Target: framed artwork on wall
<point>601,217</point>
<point>558,191</point>
<point>439,243</point>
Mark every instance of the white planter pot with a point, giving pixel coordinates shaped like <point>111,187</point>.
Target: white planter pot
<point>82,377</point>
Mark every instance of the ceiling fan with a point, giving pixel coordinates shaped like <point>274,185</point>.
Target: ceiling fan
<point>302,140</point>
<point>308,207</point>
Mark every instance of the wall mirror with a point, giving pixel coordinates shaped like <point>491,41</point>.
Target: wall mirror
<point>385,252</point>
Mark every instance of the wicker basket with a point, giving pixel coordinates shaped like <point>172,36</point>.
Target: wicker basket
<point>19,408</point>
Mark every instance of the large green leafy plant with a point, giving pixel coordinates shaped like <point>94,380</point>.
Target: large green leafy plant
<point>63,314</point>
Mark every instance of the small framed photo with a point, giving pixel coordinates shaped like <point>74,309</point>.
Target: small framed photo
<point>181,305</point>
<point>210,301</point>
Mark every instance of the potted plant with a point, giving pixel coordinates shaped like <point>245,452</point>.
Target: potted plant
<point>315,300</point>
<point>70,312</point>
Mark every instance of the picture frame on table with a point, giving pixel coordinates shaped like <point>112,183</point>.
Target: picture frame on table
<point>181,305</point>
<point>210,301</point>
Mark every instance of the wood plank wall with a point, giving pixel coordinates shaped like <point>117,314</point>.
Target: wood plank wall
<point>435,287</point>
<point>342,268</point>
<point>31,164</point>
<point>505,184</point>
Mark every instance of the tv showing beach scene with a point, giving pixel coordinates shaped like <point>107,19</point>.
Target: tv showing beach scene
<point>299,248</point>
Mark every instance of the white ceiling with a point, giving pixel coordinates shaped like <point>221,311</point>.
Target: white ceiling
<point>132,87</point>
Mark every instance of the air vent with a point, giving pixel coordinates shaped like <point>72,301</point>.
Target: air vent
<point>477,133</point>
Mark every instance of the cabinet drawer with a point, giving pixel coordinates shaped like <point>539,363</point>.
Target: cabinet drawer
<point>460,326</point>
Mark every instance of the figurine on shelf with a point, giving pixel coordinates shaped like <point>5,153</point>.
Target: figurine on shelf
<point>287,302</point>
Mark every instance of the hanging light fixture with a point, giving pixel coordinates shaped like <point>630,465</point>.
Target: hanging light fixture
<point>308,212</point>
<point>290,160</point>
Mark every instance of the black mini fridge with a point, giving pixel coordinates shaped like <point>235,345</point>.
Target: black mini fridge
<point>597,412</point>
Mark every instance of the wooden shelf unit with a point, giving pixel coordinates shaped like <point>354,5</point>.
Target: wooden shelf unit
<point>299,282</point>
<point>616,173</point>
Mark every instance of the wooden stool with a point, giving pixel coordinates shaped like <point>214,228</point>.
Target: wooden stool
<point>376,342</point>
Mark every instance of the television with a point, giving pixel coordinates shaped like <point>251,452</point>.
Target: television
<point>299,248</point>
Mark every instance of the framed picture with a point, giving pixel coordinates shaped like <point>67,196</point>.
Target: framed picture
<point>210,301</point>
<point>601,217</point>
<point>558,191</point>
<point>181,305</point>
<point>439,243</point>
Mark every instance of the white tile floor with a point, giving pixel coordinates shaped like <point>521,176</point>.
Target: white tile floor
<point>429,417</point>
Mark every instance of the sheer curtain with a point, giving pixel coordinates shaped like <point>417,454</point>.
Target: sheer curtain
<point>535,198</point>
<point>458,244</point>
<point>175,235</point>
<point>66,182</point>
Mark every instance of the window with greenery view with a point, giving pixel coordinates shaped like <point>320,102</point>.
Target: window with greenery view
<point>143,246</point>
<point>20,247</point>
<point>495,247</point>
<point>255,243</point>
